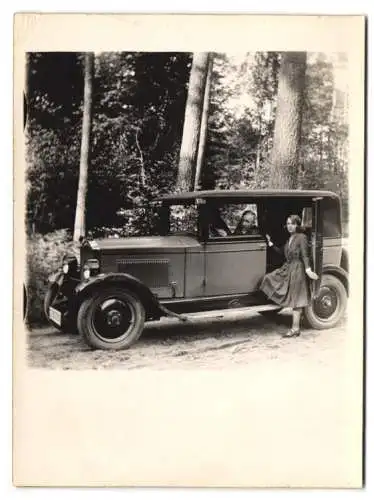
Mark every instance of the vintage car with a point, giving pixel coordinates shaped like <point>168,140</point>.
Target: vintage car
<point>202,259</point>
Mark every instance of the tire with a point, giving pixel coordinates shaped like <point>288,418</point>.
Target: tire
<point>111,319</point>
<point>329,307</point>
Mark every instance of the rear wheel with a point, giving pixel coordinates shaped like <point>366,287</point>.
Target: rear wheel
<point>328,308</point>
<point>111,319</point>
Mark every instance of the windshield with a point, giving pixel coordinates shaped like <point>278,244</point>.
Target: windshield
<point>183,219</point>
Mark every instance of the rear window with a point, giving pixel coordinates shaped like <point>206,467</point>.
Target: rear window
<point>331,220</point>
<point>307,217</point>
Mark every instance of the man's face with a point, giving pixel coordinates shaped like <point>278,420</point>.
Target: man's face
<point>248,221</point>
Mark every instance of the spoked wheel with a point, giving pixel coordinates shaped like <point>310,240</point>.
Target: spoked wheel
<point>111,319</point>
<point>328,308</point>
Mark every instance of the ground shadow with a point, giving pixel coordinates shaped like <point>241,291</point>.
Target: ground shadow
<point>213,328</point>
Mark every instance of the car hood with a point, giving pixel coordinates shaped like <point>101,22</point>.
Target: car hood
<point>144,242</point>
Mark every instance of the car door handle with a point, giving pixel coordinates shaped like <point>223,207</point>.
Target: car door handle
<point>261,246</point>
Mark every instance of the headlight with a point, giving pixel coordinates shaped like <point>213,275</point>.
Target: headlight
<point>69,265</point>
<point>91,266</point>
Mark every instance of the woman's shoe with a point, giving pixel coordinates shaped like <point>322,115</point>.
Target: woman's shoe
<point>291,333</point>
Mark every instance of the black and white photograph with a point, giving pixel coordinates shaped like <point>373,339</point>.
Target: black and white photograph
<point>191,210</point>
<point>246,155</point>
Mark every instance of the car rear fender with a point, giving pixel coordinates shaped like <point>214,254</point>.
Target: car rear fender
<point>122,280</point>
<point>338,272</point>
<point>344,263</point>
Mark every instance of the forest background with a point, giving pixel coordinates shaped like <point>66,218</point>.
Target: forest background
<point>135,107</point>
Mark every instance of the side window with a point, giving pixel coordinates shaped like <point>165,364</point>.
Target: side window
<point>233,219</point>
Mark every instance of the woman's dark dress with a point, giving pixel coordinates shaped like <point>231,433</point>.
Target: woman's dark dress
<point>288,285</point>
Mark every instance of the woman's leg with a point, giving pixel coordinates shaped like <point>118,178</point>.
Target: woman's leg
<point>295,330</point>
<point>296,315</point>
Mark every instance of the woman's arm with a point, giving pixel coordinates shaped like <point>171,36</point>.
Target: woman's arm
<point>279,250</point>
<point>305,257</point>
<point>304,251</point>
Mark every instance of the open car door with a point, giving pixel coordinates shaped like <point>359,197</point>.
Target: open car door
<point>317,244</point>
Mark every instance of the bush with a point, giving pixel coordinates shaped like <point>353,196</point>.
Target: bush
<point>137,221</point>
<point>44,256</point>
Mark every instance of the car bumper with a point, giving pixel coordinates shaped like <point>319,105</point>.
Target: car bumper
<point>61,311</point>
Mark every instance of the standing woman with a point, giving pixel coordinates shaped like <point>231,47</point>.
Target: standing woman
<point>288,285</point>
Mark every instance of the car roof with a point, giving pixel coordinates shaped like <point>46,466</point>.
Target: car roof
<point>246,194</point>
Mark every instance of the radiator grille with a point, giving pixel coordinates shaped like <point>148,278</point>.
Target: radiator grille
<point>154,273</point>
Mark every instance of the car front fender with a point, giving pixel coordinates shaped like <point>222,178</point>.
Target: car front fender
<point>96,283</point>
<point>57,277</point>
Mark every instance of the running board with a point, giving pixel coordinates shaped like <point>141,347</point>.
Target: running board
<point>234,312</point>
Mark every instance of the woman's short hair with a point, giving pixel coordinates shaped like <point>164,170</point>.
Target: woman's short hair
<point>295,219</point>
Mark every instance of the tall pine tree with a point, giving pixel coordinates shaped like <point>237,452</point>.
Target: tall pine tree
<point>80,212</point>
<point>284,156</point>
<point>192,121</point>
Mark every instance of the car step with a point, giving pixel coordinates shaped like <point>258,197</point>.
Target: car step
<point>234,312</point>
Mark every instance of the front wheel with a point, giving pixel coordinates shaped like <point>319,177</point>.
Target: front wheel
<point>111,319</point>
<point>328,308</point>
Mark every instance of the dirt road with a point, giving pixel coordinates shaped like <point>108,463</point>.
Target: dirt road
<point>199,344</point>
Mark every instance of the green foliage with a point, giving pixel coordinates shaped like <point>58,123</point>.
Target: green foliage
<point>324,144</point>
<point>183,219</point>
<point>137,124</point>
<point>44,256</point>
<point>137,221</point>
<point>52,175</point>
<point>138,112</point>
<point>241,120</point>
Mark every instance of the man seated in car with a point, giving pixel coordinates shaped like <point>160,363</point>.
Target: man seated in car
<point>217,227</point>
<point>247,224</point>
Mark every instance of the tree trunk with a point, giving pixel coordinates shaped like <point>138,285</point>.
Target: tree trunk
<point>80,212</point>
<point>284,156</point>
<point>192,121</point>
<point>204,126</point>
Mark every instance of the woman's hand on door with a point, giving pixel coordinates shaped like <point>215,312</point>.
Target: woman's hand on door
<point>312,275</point>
